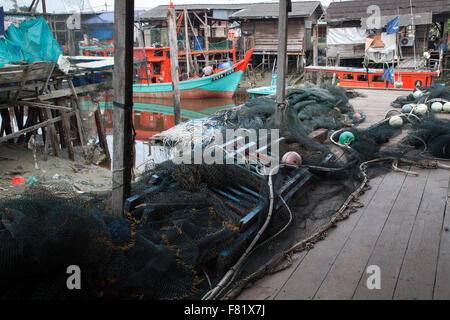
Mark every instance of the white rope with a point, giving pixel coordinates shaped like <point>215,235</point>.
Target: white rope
<point>231,273</point>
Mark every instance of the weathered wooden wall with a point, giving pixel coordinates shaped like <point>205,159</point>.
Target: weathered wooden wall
<point>263,35</point>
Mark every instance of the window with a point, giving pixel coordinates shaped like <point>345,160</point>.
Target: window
<point>377,79</point>
<point>348,76</point>
<point>363,77</point>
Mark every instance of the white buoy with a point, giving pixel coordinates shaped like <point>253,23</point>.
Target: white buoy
<point>436,107</point>
<point>396,121</point>
<point>421,109</point>
<point>446,107</point>
<point>417,94</point>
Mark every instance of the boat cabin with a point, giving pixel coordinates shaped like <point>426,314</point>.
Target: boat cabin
<point>154,64</point>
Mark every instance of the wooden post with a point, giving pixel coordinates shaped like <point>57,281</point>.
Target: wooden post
<point>123,103</point>
<point>206,39</point>
<point>338,63</point>
<point>172,26</point>
<point>71,40</point>
<point>281,60</point>
<point>66,130</point>
<point>316,45</point>
<point>188,46</point>
<point>77,108</point>
<point>315,54</point>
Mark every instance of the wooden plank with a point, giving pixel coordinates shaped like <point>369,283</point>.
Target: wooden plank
<point>442,286</point>
<point>62,93</point>
<point>344,274</point>
<point>309,274</point>
<point>391,246</point>
<point>268,287</point>
<point>123,102</point>
<point>418,272</point>
<point>32,128</point>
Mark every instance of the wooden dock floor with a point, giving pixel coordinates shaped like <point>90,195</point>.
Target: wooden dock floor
<point>403,230</point>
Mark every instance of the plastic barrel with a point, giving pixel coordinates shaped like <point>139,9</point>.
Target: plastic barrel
<point>198,43</point>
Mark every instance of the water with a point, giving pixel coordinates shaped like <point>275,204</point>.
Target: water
<point>152,116</point>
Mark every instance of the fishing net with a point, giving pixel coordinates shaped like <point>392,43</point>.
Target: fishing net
<point>184,235</point>
<point>426,95</point>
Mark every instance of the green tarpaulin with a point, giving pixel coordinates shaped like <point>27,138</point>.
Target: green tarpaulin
<point>32,41</point>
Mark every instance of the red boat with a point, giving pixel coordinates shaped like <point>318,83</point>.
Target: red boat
<point>373,78</point>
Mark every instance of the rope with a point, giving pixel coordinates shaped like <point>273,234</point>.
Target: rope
<point>231,273</point>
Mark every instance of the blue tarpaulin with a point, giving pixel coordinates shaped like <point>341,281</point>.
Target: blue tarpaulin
<point>32,41</point>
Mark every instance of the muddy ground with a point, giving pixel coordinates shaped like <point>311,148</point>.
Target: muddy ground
<point>18,161</point>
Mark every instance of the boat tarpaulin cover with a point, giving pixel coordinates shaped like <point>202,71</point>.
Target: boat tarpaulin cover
<point>338,36</point>
<point>31,41</point>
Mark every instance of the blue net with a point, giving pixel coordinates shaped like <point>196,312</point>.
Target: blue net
<point>32,41</point>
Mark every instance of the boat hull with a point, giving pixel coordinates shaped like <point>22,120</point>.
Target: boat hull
<point>222,84</point>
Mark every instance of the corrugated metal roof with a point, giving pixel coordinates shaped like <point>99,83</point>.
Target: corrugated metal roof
<point>271,10</point>
<point>357,9</point>
<point>160,12</point>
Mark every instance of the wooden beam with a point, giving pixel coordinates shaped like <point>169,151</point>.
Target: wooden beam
<point>62,93</point>
<point>39,105</point>
<point>101,130</point>
<point>77,107</point>
<point>195,41</point>
<point>33,128</point>
<point>172,26</point>
<point>198,17</point>
<point>123,103</point>
<point>281,61</point>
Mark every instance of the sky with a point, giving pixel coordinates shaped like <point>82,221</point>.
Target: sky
<point>102,5</point>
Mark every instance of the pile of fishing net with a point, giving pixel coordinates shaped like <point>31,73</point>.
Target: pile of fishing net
<point>184,239</point>
<point>426,95</point>
<point>321,107</point>
<point>324,106</point>
<point>168,248</point>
